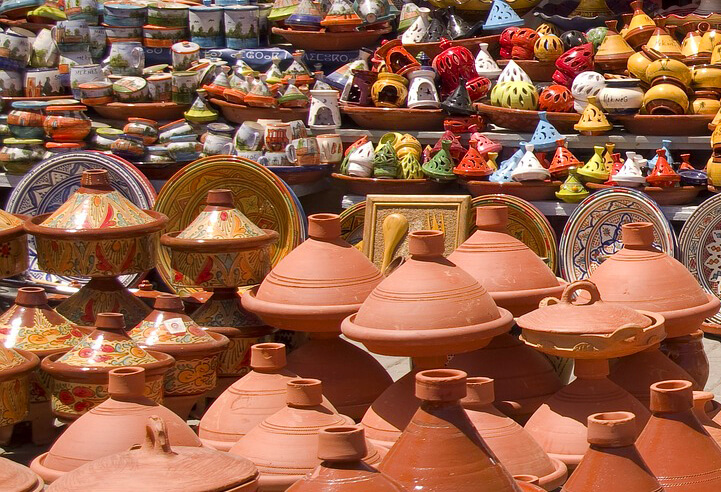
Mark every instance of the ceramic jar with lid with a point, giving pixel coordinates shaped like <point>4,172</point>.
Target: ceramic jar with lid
<point>97,92</point>
<point>143,128</point>
<point>705,102</point>
<point>129,147</point>
<point>621,96</point>
<point>666,96</point>
<point>26,119</point>
<point>184,54</point>
<point>67,123</point>
<point>104,138</point>
<point>206,25</point>
<point>160,87</point>
<point>18,155</point>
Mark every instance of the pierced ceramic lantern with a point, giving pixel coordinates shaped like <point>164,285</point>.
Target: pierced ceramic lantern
<point>389,91</point>
<point>324,113</point>
<point>485,64</point>
<point>453,63</point>
<point>523,42</point>
<point>573,62</point>
<point>397,59</point>
<point>422,92</point>
<point>357,90</point>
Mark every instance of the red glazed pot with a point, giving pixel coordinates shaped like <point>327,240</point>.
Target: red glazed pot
<point>523,41</point>
<point>67,123</point>
<point>574,61</point>
<point>453,63</point>
<point>556,98</point>
<point>506,41</point>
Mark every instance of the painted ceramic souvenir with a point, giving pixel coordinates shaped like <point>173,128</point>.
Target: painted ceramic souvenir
<point>324,112</point>
<point>572,189</point>
<point>184,148</point>
<point>43,82</point>
<point>306,16</point>
<point>160,87</point>
<point>184,54</point>
<point>96,93</point>
<point>206,25</point>
<point>15,49</point>
<point>178,127</point>
<point>146,129</point>
<point>85,10</point>
<point>116,34</point>
<point>168,14</point>
<point>331,148</point>
<point>303,152</point>
<point>162,37</point>
<point>72,33</point>
<point>529,168</point>
<point>131,89</point>
<point>621,96</point>
<point>45,52</point>
<point>80,74</point>
<point>126,58</point>
<point>418,30</point>
<point>11,83</point>
<point>16,367</point>
<point>666,96</point>
<point>18,155</point>
<point>241,26</point>
<point>66,123</point>
<point>630,174</point>
<point>25,120</point>
<point>184,86</point>
<point>124,13</point>
<point>485,64</point>
<point>593,121</point>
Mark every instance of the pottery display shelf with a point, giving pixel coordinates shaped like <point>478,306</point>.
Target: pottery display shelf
<point>394,119</point>
<point>161,111</point>
<point>524,120</point>
<point>527,190</point>
<point>678,195</point>
<point>355,185</point>
<point>331,41</point>
<point>472,44</point>
<point>238,113</point>
<point>537,70</point>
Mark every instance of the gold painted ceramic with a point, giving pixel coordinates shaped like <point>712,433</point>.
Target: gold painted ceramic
<point>15,369</point>
<point>637,65</point>
<point>705,102</point>
<point>13,245</point>
<point>593,121</point>
<point>663,42</point>
<point>669,67</point>
<point>669,95</point>
<point>706,77</point>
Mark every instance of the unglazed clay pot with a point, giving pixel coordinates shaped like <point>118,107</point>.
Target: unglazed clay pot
<point>612,462</point>
<point>342,468</point>
<point>112,427</point>
<point>312,289</point>
<point>196,352</point>
<point>155,466</point>
<point>18,478</point>
<point>80,376</point>
<point>675,445</point>
<point>284,446</point>
<point>701,401</point>
<point>688,352</point>
<point>513,446</point>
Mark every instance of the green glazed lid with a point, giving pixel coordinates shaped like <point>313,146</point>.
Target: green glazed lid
<point>22,141</point>
<point>109,132</point>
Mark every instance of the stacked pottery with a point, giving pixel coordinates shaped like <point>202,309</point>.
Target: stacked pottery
<point>14,241</point>
<point>517,280</point>
<point>98,233</point>
<point>114,426</point>
<point>222,250</point>
<point>591,332</point>
<point>80,376</point>
<point>318,284</point>
<point>17,478</point>
<point>426,309</point>
<point>16,367</point>
<point>32,325</point>
<point>196,352</point>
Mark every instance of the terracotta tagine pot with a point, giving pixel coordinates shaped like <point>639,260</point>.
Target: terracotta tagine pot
<point>612,462</point>
<point>591,332</point>
<point>155,466</point>
<point>146,293</point>
<point>702,400</point>
<point>688,352</point>
<point>98,233</point>
<point>675,445</point>
<point>251,399</point>
<point>16,369</point>
<point>342,469</point>
<point>508,441</point>
<point>196,352</point>
<point>32,325</point>
<point>114,426</point>
<point>284,446</point>
<point>18,478</point>
<point>14,244</point>
<point>312,289</point>
<point>80,376</point>
<point>440,449</point>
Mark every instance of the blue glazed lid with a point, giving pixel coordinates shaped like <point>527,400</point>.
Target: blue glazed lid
<point>34,105</point>
<point>183,138</point>
<point>545,136</point>
<point>501,16</point>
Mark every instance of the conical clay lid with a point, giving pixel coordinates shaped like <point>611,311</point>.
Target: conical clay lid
<point>220,219</point>
<point>701,400</point>
<point>18,478</point>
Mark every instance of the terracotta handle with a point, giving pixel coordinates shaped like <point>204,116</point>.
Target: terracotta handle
<point>156,436</point>
<point>626,332</point>
<point>579,285</point>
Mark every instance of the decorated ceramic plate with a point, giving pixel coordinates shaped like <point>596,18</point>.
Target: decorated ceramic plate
<point>593,231</point>
<point>526,223</point>
<point>260,194</point>
<point>47,185</point>
<point>700,246</point>
<point>351,223</point>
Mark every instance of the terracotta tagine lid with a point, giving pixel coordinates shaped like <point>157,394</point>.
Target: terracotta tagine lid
<point>508,441</point>
<point>154,466</point>
<point>612,462</point>
<point>515,276</point>
<point>452,312</point>
<point>284,446</point>
<point>15,365</point>
<point>701,403</point>
<point>31,324</point>
<point>675,445</point>
<point>440,449</point>
<point>146,293</point>
<point>18,478</point>
<point>112,427</point>
<point>614,51</point>
<point>12,233</point>
<point>342,468</point>
<point>318,284</point>
<point>641,277</point>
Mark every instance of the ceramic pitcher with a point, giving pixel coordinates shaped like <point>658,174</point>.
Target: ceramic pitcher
<point>126,58</point>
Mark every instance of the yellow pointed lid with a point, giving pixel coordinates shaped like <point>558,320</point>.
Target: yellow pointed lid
<point>663,42</point>
<point>613,44</point>
<point>640,18</point>
<point>593,120</point>
<point>595,168</point>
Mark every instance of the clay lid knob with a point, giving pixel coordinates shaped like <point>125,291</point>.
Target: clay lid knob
<point>492,218</point>
<point>126,383</point>
<point>324,227</point>
<point>637,235</point>
<point>267,357</point>
<point>220,198</point>
<point>342,443</point>
<point>145,286</point>
<point>479,391</point>
<point>612,25</point>
<point>110,322</point>
<point>441,385</point>
<point>304,393</point>
<point>31,297</point>
<point>701,398</point>
<point>612,429</point>
<point>96,179</point>
<point>169,302</point>
<point>671,396</point>
<point>426,244</point>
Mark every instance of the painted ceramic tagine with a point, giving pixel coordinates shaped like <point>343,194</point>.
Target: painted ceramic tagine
<point>98,233</point>
<point>80,376</point>
<point>114,426</point>
<point>312,289</point>
<point>196,352</point>
<point>222,250</point>
<point>13,244</point>
<point>155,465</point>
<point>18,478</point>
<point>591,332</point>
<point>451,313</point>
<point>517,280</point>
<point>16,367</point>
<point>32,325</point>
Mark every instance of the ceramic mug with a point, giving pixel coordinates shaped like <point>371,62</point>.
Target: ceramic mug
<point>184,54</point>
<point>45,52</point>
<point>85,10</point>
<point>80,74</point>
<point>184,86</point>
<point>303,152</point>
<point>298,129</point>
<point>71,32</point>
<point>160,87</point>
<point>126,58</point>
<point>272,159</point>
<point>331,148</point>
<point>253,155</point>
<point>98,41</point>
<point>249,136</point>
<point>242,26</point>
<point>206,26</point>
<point>15,47</point>
<point>71,59</point>
<point>11,83</point>
<point>277,136</point>
<point>43,82</point>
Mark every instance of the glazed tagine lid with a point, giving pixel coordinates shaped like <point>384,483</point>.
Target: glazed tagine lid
<point>318,284</point>
<point>155,466</point>
<point>31,324</point>
<point>11,226</point>
<point>515,276</point>
<point>18,478</point>
<point>644,278</point>
<point>111,427</point>
<point>591,329</point>
<point>451,312</point>
<point>16,363</point>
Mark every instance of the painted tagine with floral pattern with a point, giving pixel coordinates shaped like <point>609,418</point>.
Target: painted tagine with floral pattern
<point>13,245</point>
<point>16,367</point>
<point>80,376</point>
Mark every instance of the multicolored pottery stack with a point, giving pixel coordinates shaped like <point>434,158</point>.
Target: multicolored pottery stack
<point>98,233</point>
<point>313,289</point>
<point>220,251</point>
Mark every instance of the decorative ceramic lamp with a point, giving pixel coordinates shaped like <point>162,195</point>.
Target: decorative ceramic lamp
<point>663,174</point>
<point>595,169</point>
<point>452,313</point>
<point>409,13</point>
<point>666,146</point>
<point>614,52</point>
<point>563,160</point>
<point>440,166</point>
<point>529,168</point>
<point>503,173</point>
<point>341,278</point>
<point>572,189</point>
<point>324,112</point>
<point>98,233</point>
<point>545,135</point>
<point>452,64</point>
<point>221,250</point>
<point>593,121</point>
<point>417,30</point>
<point>16,369</point>
<point>590,332</point>
<point>486,66</point>
<point>473,165</point>
<point>422,93</point>
<point>640,28</point>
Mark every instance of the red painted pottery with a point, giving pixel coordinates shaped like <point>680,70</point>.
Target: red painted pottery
<point>701,403</point>
<point>663,174</point>
<point>688,352</point>
<point>612,462</point>
<point>67,123</point>
<point>284,446</point>
<point>16,368</point>
<point>563,160</point>
<point>571,63</point>
<point>674,444</point>
<point>452,64</point>
<point>80,376</point>
<point>18,478</point>
<point>509,442</point>
<point>146,293</point>
<point>440,450</point>
<point>13,241</point>
<point>342,468</point>
<point>155,466</point>
<point>112,427</point>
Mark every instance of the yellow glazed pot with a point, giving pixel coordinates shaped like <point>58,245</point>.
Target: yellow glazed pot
<point>665,97</point>
<point>705,102</point>
<point>706,77</point>
<point>637,65</point>
<point>713,170</point>
<point>669,67</point>
<point>390,90</point>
